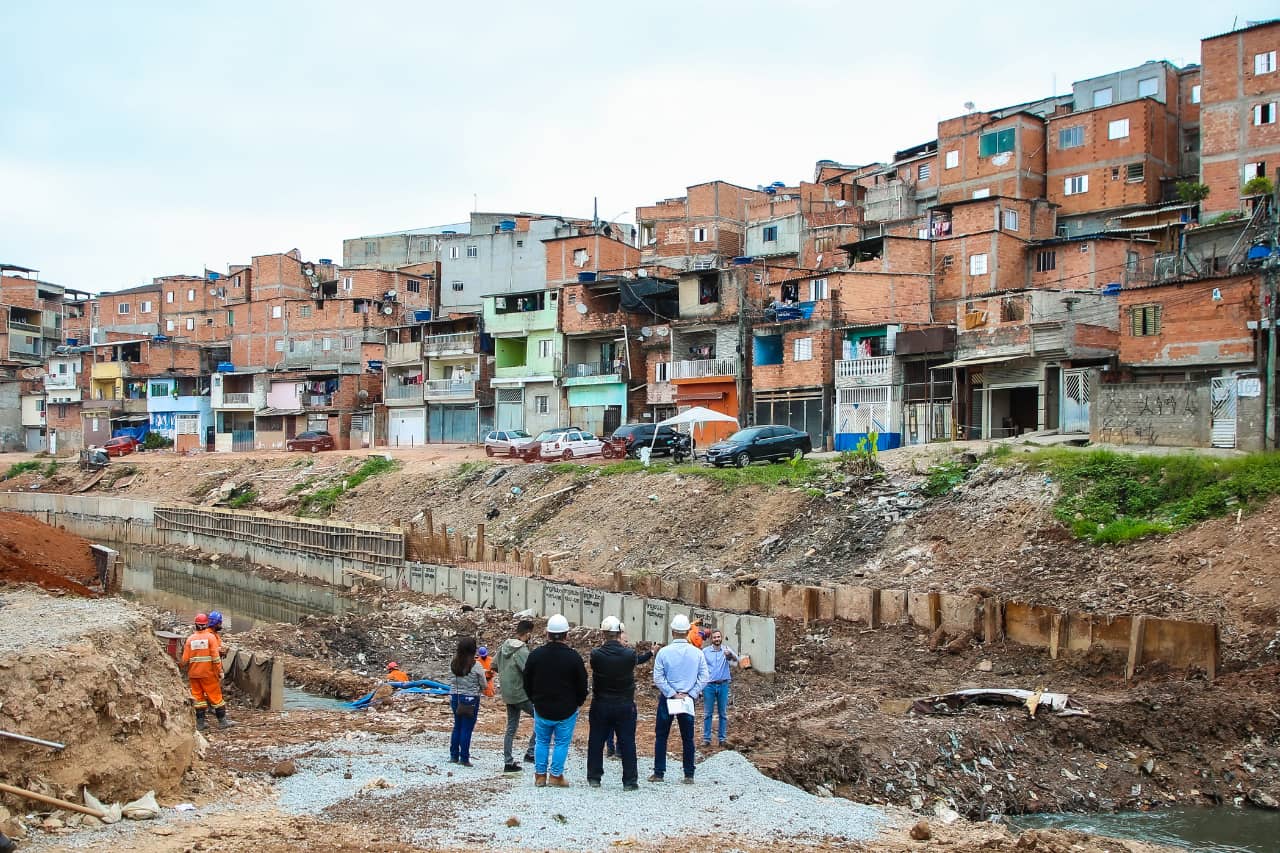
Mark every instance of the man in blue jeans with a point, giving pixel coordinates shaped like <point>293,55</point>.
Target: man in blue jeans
<point>716,695</point>
<point>679,673</point>
<point>555,678</point>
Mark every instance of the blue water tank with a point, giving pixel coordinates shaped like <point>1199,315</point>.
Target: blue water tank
<point>743,261</point>
<point>507,225</point>
<point>226,367</point>
<point>422,316</point>
<point>777,184</point>
<point>73,342</point>
<point>1257,253</point>
<point>326,260</point>
<point>586,277</point>
<point>160,339</point>
<point>1111,289</point>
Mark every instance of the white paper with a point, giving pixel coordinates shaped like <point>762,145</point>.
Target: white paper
<point>680,706</point>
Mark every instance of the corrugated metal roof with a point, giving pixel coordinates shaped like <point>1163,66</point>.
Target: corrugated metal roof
<point>1154,211</point>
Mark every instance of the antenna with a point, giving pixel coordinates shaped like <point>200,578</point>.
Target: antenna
<point>969,106</point>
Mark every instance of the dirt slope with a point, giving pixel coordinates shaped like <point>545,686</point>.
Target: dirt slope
<point>34,552</point>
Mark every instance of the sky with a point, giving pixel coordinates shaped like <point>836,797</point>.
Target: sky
<point>145,139</point>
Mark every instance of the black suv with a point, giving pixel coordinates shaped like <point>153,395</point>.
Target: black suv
<point>669,442</point>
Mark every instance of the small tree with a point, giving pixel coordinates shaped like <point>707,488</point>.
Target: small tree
<point>1260,185</point>
<point>1191,192</point>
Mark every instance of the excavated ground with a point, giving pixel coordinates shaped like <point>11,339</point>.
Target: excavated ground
<point>34,552</point>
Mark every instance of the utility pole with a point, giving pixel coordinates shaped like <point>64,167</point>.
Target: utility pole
<point>1272,272</point>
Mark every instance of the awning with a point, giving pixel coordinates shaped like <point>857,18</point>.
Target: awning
<point>699,395</point>
<point>276,413</point>
<point>969,362</point>
<point>137,418</point>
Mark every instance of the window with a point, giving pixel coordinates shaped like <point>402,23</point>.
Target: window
<point>519,244</point>
<point>978,264</point>
<point>542,404</point>
<point>1046,261</point>
<point>371,247</point>
<point>208,321</point>
<point>1195,94</point>
<point>1115,173</point>
<point>982,193</point>
<point>1071,137</point>
<point>802,349</point>
<point>169,325</point>
<point>1264,113</point>
<point>346,283</point>
<point>1011,220</point>
<point>700,235</point>
<point>276,312</point>
<point>145,307</point>
<point>580,257</point>
<point>191,294</point>
<point>304,311</point>
<point>231,318</point>
<point>823,244</point>
<point>996,142</point>
<point>1011,309</point>
<point>1134,173</point>
<point>953,159</point>
<point>1075,185</point>
<point>771,233</point>
<point>413,286</point>
<point>1102,97</point>
<point>1118,129</point>
<point>1144,320</point>
<point>280,346</point>
<point>326,344</point>
<point>457,287</point>
<point>168,297</point>
<point>1254,170</point>
<point>923,172</point>
<point>235,282</point>
<point>473,251</point>
<point>454,253</point>
<point>817,289</point>
<point>191,324</point>
<point>662,371</point>
<point>544,348</point>
<point>1148,86</point>
<point>348,342</point>
<point>1264,63</point>
<point>709,290</point>
<point>158,389</point>
<point>122,308</point>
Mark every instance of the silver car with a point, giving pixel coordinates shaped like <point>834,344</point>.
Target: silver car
<point>501,442</point>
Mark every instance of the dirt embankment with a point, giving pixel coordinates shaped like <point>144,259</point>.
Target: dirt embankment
<point>34,552</point>
<point>89,674</point>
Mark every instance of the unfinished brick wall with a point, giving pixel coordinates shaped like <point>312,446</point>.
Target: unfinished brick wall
<point>1020,174</point>
<point>598,252</point>
<point>1195,329</point>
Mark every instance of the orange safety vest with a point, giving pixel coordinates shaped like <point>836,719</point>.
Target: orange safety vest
<point>487,663</point>
<point>397,675</point>
<point>202,654</point>
<point>695,636</point>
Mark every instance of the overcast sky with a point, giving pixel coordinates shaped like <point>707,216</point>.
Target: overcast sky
<point>142,139</point>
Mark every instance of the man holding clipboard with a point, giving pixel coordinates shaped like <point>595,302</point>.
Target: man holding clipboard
<point>680,674</point>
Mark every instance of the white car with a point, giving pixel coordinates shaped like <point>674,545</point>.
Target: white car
<point>566,445</point>
<point>503,442</point>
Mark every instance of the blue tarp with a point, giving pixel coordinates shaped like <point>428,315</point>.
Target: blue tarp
<point>423,686</point>
<point>138,432</point>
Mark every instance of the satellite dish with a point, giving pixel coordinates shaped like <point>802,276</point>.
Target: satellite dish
<point>969,105</point>
<point>314,285</point>
<point>362,394</point>
<point>663,331</point>
<point>582,309</point>
<point>387,309</point>
<point>213,291</point>
<point>645,331</point>
<point>841,203</point>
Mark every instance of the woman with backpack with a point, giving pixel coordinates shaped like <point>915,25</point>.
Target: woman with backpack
<point>468,683</point>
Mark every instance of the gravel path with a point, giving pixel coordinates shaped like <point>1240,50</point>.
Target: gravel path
<point>408,783</point>
<point>38,620</point>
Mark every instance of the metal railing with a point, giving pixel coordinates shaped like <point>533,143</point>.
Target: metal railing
<point>60,380</point>
<point>592,368</point>
<point>237,399</point>
<point>450,388</point>
<point>704,367</point>
<point>397,353</point>
<point>865,368</point>
<point>319,401</point>
<point>394,390</point>
<point>457,341</point>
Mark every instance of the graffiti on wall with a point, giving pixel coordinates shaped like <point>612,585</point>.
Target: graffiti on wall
<point>1135,414</point>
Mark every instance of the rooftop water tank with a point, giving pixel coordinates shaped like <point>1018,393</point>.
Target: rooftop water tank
<point>1111,289</point>
<point>226,367</point>
<point>507,225</point>
<point>586,277</point>
<point>422,316</point>
<point>743,261</point>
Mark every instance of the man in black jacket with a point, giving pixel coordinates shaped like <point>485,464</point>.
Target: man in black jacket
<point>556,680</point>
<point>613,704</point>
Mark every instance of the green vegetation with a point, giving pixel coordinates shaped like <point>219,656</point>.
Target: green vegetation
<point>156,441</point>
<point>303,486</point>
<point>1191,192</point>
<point>1259,185</point>
<point>1225,216</point>
<point>864,458</point>
<point>50,468</point>
<point>1112,497</point>
<point>241,498</point>
<point>17,469</point>
<point>795,473</point>
<point>471,468</point>
<point>945,476</point>
<point>321,502</point>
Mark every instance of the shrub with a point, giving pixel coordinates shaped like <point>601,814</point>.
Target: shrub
<point>1258,185</point>
<point>17,469</point>
<point>156,441</point>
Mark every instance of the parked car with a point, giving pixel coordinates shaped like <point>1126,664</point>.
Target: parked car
<point>502,442</point>
<point>313,440</point>
<point>629,438</point>
<point>530,449</point>
<point>571,443</point>
<point>760,442</point>
<point>121,445</point>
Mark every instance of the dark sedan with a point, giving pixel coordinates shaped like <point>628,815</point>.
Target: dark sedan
<point>312,440</point>
<point>760,443</point>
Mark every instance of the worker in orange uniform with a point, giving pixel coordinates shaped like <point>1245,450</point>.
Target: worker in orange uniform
<point>394,673</point>
<point>485,660</point>
<point>695,635</point>
<point>202,659</point>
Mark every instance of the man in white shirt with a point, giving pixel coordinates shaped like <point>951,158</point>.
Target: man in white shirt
<point>680,674</point>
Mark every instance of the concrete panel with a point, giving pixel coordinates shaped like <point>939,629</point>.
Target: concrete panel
<point>486,589</point>
<point>471,587</point>
<point>429,579</point>
<point>920,609</point>
<point>728,625</point>
<point>502,592</point>
<point>855,604</point>
<point>571,605</point>
<point>633,615</point>
<point>552,599</point>
<point>893,606</point>
<point>534,590</point>
<point>724,596</point>
<point>655,621</point>
<point>1028,624</point>
<point>519,601</point>
<point>672,610</point>
<point>756,638</point>
<point>960,613</point>
<point>592,608</point>
<point>1180,644</point>
<point>449,582</point>
<point>710,618</point>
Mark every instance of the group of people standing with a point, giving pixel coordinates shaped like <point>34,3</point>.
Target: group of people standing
<point>550,684</point>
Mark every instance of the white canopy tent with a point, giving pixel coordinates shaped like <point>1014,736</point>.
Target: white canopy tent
<point>694,416</point>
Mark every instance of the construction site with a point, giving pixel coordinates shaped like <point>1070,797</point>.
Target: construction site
<point>946,653</point>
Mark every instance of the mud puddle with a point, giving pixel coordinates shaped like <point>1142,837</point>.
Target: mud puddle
<point>1217,830</point>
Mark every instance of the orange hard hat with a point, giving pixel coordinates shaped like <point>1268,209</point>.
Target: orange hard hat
<point>202,619</point>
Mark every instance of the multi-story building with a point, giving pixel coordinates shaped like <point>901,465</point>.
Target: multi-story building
<point>32,315</point>
<point>528,351</point>
<point>701,230</point>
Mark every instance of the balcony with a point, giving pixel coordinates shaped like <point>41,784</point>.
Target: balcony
<point>877,370</point>
<point>450,389</point>
<point>59,381</point>
<point>109,370</point>
<point>592,373</point>
<point>237,400</point>
<point>452,344</point>
<point>395,392</point>
<point>704,368</point>
<point>406,353</point>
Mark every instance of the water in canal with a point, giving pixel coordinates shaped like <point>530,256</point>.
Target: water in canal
<point>1218,830</point>
<point>246,600</point>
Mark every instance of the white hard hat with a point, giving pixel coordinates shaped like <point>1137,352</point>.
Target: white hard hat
<point>612,624</point>
<point>557,625</point>
<point>680,623</point>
